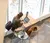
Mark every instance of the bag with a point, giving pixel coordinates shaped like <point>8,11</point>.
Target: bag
<point>8,25</point>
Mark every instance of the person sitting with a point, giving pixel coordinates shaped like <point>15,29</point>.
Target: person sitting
<point>16,22</point>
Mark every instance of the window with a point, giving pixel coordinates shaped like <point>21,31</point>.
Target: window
<point>32,6</point>
<point>46,7</point>
<point>13,7</point>
<point>36,8</point>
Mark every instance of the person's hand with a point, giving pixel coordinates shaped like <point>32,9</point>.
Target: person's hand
<point>19,29</point>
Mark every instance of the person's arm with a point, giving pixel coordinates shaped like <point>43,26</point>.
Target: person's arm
<point>19,29</point>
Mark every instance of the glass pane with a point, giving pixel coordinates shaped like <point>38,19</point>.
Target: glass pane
<point>32,6</point>
<point>46,7</point>
<point>12,8</point>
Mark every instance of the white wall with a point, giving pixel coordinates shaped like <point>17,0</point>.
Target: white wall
<point>3,10</point>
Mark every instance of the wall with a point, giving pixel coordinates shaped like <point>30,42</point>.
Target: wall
<point>3,8</point>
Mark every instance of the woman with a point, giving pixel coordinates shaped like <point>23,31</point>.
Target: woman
<point>16,22</point>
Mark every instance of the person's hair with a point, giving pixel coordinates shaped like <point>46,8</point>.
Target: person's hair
<point>20,15</point>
